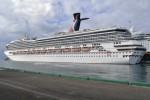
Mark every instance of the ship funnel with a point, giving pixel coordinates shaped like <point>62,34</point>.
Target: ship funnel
<point>76,22</point>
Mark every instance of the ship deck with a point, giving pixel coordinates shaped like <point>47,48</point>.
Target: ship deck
<point>28,86</point>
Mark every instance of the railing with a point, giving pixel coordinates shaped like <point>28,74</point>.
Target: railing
<point>82,77</point>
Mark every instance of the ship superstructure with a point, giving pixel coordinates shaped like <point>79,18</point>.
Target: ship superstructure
<point>111,45</point>
<point>143,39</point>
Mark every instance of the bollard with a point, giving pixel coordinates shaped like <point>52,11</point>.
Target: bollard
<point>129,83</point>
<point>88,78</point>
<point>59,75</point>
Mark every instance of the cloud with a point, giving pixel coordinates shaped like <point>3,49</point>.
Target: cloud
<point>48,16</point>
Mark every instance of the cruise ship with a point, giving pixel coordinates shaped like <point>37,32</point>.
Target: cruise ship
<point>111,45</point>
<point>143,39</point>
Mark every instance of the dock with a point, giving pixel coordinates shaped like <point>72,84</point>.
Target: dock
<point>29,86</point>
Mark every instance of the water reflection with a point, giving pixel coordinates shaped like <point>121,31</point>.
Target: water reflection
<point>138,73</point>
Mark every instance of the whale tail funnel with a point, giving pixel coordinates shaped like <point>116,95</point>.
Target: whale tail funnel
<point>76,22</point>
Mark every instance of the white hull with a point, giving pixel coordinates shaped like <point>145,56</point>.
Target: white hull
<point>82,57</point>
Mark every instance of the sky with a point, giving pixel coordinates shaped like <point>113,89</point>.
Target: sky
<point>42,18</point>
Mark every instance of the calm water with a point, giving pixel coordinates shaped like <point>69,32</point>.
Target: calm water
<point>137,73</point>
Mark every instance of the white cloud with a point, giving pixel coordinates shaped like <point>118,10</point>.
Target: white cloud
<point>33,8</point>
<point>49,16</point>
<point>4,23</point>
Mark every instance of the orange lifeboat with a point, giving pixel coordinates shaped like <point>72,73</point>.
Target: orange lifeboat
<point>67,49</point>
<point>86,48</point>
<point>76,49</point>
<point>38,51</point>
<point>50,50</point>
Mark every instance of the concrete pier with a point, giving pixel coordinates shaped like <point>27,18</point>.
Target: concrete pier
<point>28,86</point>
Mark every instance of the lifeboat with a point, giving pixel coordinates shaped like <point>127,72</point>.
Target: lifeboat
<point>20,52</point>
<point>76,49</point>
<point>43,51</point>
<point>58,50</point>
<point>23,52</point>
<point>86,48</point>
<point>33,50</point>
<point>28,52</point>
<point>49,50</point>
<point>67,49</point>
<point>38,51</point>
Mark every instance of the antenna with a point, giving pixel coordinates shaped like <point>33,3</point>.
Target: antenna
<point>131,29</point>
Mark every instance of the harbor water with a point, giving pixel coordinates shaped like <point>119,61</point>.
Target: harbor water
<point>132,73</point>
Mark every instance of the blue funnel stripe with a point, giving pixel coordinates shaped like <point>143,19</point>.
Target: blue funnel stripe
<point>77,25</point>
